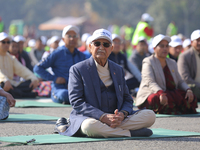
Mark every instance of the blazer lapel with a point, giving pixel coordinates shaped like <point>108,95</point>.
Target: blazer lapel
<point>95,79</point>
<point>160,70</point>
<point>193,62</point>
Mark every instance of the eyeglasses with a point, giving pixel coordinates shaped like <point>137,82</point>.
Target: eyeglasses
<point>4,42</point>
<point>105,44</point>
<point>71,36</point>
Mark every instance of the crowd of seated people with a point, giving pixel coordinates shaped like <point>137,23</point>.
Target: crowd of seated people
<point>167,80</point>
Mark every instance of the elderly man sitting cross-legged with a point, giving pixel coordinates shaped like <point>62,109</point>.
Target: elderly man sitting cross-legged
<point>102,105</point>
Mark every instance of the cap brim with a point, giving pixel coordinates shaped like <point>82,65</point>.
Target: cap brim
<point>166,38</point>
<point>174,44</point>
<point>101,37</point>
<point>6,37</point>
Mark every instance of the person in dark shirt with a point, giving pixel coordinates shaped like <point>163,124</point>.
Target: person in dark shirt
<point>175,47</point>
<point>20,40</point>
<point>121,60</point>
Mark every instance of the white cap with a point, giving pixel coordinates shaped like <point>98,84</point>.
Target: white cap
<point>195,35</point>
<point>53,39</point>
<point>88,40</point>
<point>142,38</point>
<point>101,34</point>
<point>175,41</point>
<point>69,28</point>
<point>85,36</point>
<point>61,43</point>
<point>44,40</point>
<point>3,36</point>
<point>115,36</point>
<point>147,17</point>
<point>186,43</point>
<point>48,42</point>
<point>19,38</point>
<point>31,43</point>
<point>158,38</point>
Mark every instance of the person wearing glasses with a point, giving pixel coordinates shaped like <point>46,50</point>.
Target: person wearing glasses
<point>162,88</point>
<point>60,61</point>
<point>10,66</point>
<point>102,105</point>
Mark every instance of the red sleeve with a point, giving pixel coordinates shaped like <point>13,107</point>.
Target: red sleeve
<point>160,92</point>
<point>149,31</point>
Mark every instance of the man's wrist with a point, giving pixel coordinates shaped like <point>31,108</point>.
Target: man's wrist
<point>125,113</point>
<point>102,116</point>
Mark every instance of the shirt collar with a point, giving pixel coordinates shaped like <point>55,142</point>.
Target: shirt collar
<point>99,66</point>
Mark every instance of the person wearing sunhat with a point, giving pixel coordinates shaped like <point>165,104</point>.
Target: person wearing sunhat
<point>20,40</point>
<point>60,61</point>
<point>175,47</point>
<point>139,53</point>
<point>9,67</point>
<point>144,28</point>
<point>119,58</point>
<point>186,44</point>
<point>189,64</point>
<point>84,38</point>
<point>102,105</point>
<point>162,88</point>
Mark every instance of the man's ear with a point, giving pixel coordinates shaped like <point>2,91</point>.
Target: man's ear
<point>112,48</point>
<point>90,45</point>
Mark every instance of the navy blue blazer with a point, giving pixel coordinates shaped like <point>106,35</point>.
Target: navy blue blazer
<point>85,93</point>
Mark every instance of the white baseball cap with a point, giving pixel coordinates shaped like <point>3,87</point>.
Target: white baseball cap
<point>115,36</point>
<point>53,39</point>
<point>157,39</point>
<point>69,28</point>
<point>147,17</point>
<point>44,40</point>
<point>61,43</point>
<point>85,36</point>
<point>142,38</point>
<point>186,43</point>
<point>19,38</point>
<point>88,40</point>
<point>175,41</point>
<point>3,36</point>
<point>101,34</point>
<point>31,43</point>
<point>195,35</point>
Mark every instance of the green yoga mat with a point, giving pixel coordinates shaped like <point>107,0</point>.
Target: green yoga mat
<point>28,117</point>
<point>56,138</point>
<point>30,103</point>
<point>186,115</point>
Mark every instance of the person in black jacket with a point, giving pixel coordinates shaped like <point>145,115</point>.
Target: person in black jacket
<point>121,60</point>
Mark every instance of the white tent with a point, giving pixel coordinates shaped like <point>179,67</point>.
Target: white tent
<point>58,23</point>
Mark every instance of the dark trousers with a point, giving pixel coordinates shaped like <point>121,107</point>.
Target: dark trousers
<point>22,91</point>
<point>132,83</point>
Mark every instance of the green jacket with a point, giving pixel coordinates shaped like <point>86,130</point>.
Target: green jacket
<point>139,32</point>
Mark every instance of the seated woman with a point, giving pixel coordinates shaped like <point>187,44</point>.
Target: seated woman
<point>162,88</point>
